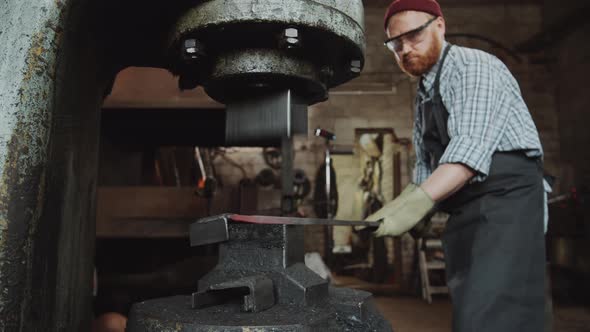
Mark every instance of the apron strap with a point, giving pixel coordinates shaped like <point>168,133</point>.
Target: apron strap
<point>436,84</point>
<point>439,117</point>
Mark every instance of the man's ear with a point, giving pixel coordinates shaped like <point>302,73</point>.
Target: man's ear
<point>442,26</point>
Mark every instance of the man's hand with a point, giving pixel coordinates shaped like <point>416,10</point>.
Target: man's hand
<point>404,212</point>
<point>414,203</point>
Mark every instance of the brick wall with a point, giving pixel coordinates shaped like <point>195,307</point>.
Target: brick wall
<point>571,64</point>
<point>572,68</point>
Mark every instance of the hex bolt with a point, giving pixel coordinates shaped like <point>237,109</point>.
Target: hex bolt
<point>190,46</point>
<point>191,49</point>
<point>290,38</point>
<point>355,66</point>
<point>291,32</point>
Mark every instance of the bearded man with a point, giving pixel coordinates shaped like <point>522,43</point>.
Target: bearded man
<point>479,158</point>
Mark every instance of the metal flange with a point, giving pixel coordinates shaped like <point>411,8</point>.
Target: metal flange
<point>250,47</point>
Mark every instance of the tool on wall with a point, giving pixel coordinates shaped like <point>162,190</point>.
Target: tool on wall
<point>301,184</point>
<point>206,184</point>
<point>326,191</point>
<point>272,157</point>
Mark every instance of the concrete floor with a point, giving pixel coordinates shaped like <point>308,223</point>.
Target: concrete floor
<point>412,314</point>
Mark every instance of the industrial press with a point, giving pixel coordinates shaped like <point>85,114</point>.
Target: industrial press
<point>266,60</point>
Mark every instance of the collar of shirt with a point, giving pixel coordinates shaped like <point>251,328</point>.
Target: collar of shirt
<point>428,78</point>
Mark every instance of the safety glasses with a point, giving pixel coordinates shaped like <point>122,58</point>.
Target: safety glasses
<point>413,37</point>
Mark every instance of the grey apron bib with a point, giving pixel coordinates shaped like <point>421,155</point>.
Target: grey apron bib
<point>494,240</point>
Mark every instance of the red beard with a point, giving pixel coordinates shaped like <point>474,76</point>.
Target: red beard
<point>419,64</point>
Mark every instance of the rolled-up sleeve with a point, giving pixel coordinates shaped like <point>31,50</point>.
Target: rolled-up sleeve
<point>478,114</point>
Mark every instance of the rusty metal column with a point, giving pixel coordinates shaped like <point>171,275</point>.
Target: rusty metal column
<point>51,89</point>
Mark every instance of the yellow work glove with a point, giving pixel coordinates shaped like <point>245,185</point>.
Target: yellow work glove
<point>404,212</point>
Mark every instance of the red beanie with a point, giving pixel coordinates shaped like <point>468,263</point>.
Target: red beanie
<point>427,6</point>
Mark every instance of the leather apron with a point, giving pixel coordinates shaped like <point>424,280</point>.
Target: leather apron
<point>494,240</point>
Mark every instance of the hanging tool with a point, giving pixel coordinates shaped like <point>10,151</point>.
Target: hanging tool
<point>206,184</point>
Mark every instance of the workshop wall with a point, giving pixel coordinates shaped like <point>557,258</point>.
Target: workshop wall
<point>570,60</point>
<point>383,97</point>
<point>570,55</point>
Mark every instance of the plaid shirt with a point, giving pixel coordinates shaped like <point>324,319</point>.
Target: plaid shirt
<point>486,113</point>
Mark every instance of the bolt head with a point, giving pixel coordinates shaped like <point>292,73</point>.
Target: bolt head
<point>291,33</point>
<point>190,43</point>
<point>355,66</point>
<point>290,39</point>
<point>191,49</point>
